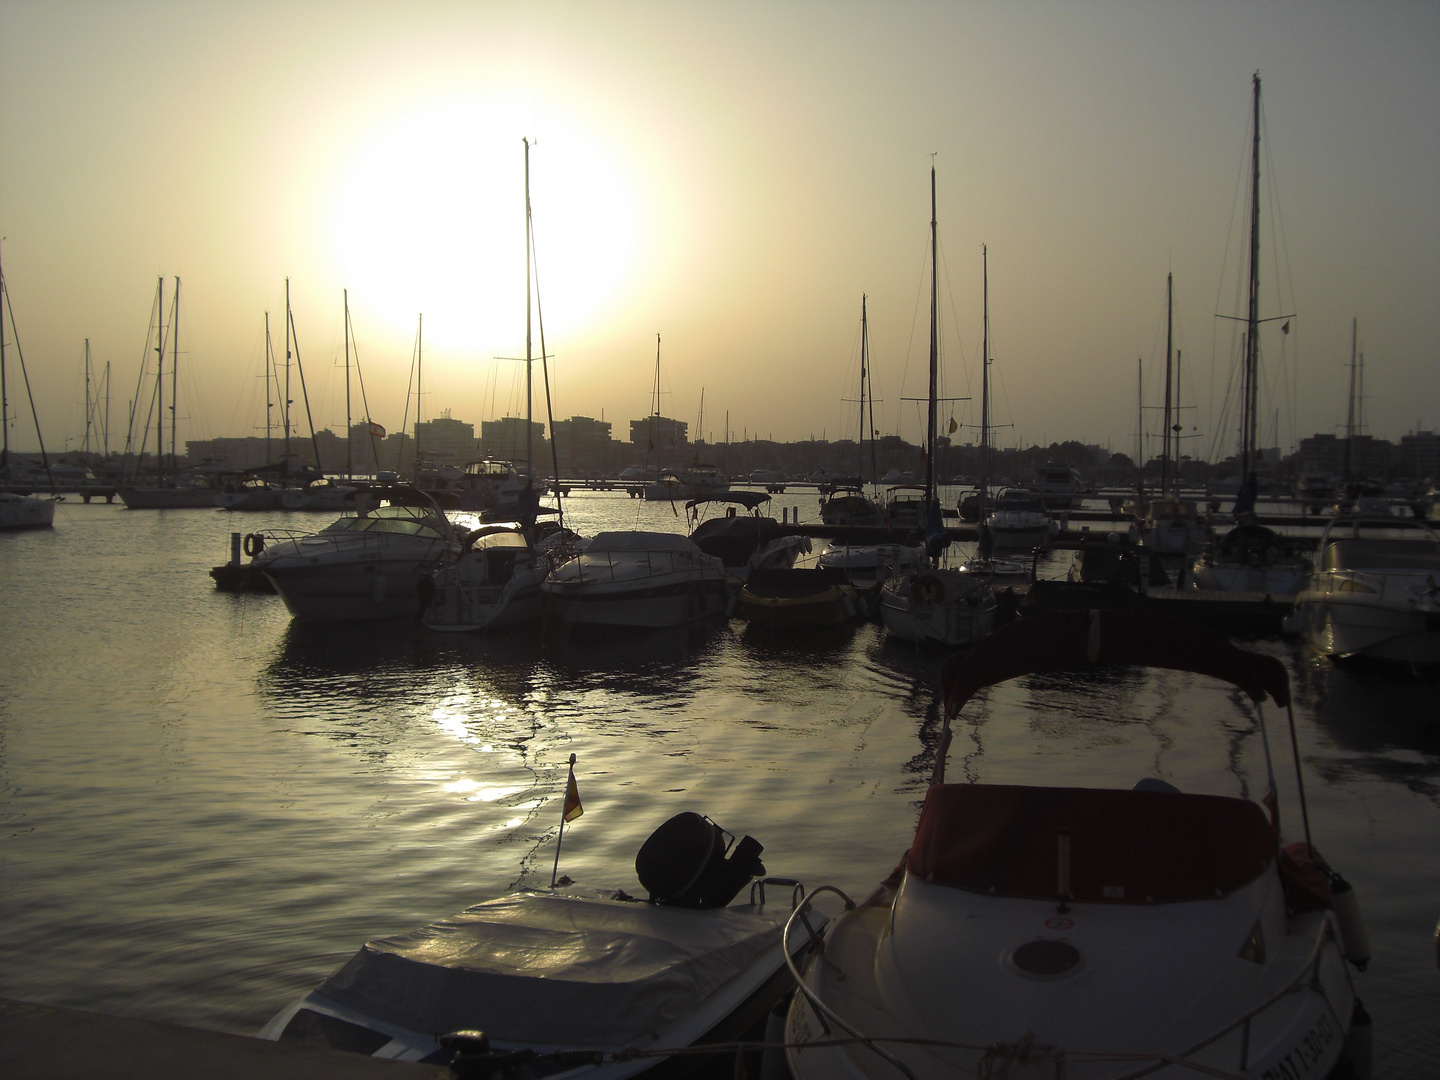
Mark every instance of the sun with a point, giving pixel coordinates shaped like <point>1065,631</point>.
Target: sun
<point>427,215</point>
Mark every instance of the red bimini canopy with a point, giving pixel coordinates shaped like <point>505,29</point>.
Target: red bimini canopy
<point>1124,847</point>
<point>1066,640</point>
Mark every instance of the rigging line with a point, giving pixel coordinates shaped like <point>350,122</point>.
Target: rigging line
<point>910,344</point>
<point>24,372</point>
<point>304,394</point>
<point>150,324</point>
<point>545,372</point>
<point>360,378</point>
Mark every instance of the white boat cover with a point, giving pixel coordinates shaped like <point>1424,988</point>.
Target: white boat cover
<point>544,969</point>
<point>640,541</point>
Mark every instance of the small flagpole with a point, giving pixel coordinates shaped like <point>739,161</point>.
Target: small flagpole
<point>555,873</point>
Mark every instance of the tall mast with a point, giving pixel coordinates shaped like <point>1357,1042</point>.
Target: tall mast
<point>1176,427</point>
<point>89,409</point>
<point>159,381</point>
<point>934,350</point>
<point>349,437</point>
<point>285,410</point>
<point>529,363</point>
<point>984,380</point>
<point>175,376</point>
<point>1165,430</point>
<point>866,428</point>
<point>419,373</point>
<point>269,375</point>
<point>1350,414</point>
<point>1252,333</point>
<point>107,411</point>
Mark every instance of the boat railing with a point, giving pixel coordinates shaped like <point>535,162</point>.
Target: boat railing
<point>655,563</point>
<point>1000,1058</point>
<point>1385,585</point>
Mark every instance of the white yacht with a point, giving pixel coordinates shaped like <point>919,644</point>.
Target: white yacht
<point>1058,486</point>
<point>1088,932</point>
<point>495,582</point>
<point>1173,526</point>
<point>1251,558</point>
<point>374,565</point>
<point>938,606</point>
<point>696,482</point>
<point>26,511</point>
<point>871,563</point>
<point>1374,592</point>
<point>643,580</point>
<point>1018,520</point>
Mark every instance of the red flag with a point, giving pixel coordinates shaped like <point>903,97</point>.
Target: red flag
<point>377,431</point>
<point>573,809</point>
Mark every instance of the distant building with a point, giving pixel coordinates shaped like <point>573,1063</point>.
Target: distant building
<point>505,439</point>
<point>1420,455</point>
<point>446,441</point>
<point>583,445</point>
<point>1325,453</point>
<point>665,442</point>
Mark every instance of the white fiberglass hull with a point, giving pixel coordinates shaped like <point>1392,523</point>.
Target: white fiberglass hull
<point>1151,983</point>
<point>1343,625</point>
<point>464,606</point>
<point>653,605</point>
<point>952,609</point>
<point>1266,580</point>
<point>351,580</point>
<point>27,512</point>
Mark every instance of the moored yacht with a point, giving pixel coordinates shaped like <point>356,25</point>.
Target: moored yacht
<point>1018,520</point>
<point>1087,932</point>
<point>495,580</point>
<point>374,565</point>
<point>642,580</point>
<point>1374,592</point>
<point>1251,558</point>
<point>26,511</point>
<point>1058,486</point>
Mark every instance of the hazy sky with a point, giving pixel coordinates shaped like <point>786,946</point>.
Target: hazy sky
<point>734,177</point>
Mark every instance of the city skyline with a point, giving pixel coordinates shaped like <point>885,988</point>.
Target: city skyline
<point>739,199</point>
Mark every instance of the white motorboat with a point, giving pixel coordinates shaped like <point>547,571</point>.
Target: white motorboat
<point>319,494</point>
<point>868,564</point>
<point>374,565</point>
<point>1374,592</point>
<point>943,607</point>
<point>743,541</point>
<point>1173,526</point>
<point>494,583</point>
<point>247,493</point>
<point>26,511</point>
<point>846,506</point>
<point>1088,933</point>
<point>638,579</point>
<point>1251,558</point>
<point>696,482</point>
<point>1018,520</point>
<point>1058,486</point>
<point>563,985</point>
<point>905,506</point>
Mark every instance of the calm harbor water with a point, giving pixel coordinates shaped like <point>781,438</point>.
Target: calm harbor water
<point>205,808</point>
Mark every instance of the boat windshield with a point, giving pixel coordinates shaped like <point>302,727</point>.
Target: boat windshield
<point>1392,554</point>
<point>407,520</point>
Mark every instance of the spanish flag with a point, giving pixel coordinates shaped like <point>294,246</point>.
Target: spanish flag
<point>376,430</point>
<point>573,809</point>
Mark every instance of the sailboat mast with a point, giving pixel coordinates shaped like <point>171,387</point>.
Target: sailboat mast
<point>984,379</point>
<point>106,433</point>
<point>1165,430</point>
<point>4,391</point>
<point>175,377</point>
<point>1350,414</point>
<point>285,409</point>
<point>866,428</point>
<point>349,435</point>
<point>160,382</point>
<point>1252,333</point>
<point>1176,427</point>
<point>89,408</point>
<point>419,373</point>
<point>529,363</point>
<point>269,377</point>
<point>934,350</point>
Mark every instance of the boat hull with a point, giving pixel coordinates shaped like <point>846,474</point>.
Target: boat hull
<point>1341,628</point>
<point>27,512</point>
<point>181,498</point>
<point>653,607</point>
<point>831,606</point>
<point>941,608</point>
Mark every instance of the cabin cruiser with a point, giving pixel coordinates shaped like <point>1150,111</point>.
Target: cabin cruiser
<point>1089,933</point>
<point>743,542</point>
<point>1018,520</point>
<point>1251,558</point>
<point>565,985</point>
<point>637,579</point>
<point>847,505</point>
<point>495,580</point>
<point>1374,592</point>
<point>905,506</point>
<point>1173,526</point>
<point>484,485</point>
<point>697,482</point>
<point>374,565</point>
<point>26,511</point>
<point>1058,486</point>
<point>869,564</point>
<point>319,494</point>
<point>939,606</point>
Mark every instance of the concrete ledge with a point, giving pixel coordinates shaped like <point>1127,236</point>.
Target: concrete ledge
<point>43,1042</point>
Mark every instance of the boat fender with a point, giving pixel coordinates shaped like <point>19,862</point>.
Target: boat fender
<point>1353,936</point>
<point>254,544</point>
